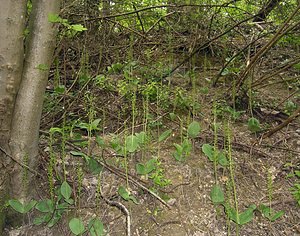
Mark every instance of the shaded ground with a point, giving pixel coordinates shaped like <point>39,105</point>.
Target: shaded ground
<point>192,212</point>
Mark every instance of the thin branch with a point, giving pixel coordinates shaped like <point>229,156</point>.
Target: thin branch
<point>283,124</point>
<point>276,72</point>
<point>20,163</point>
<point>161,6</point>
<point>279,34</point>
<point>205,45</point>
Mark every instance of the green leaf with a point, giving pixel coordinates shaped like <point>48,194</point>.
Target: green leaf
<point>126,195</point>
<point>17,205</point>
<point>242,218</point>
<point>140,169</point>
<point>132,143</point>
<point>297,66</point>
<point>208,150</point>
<point>80,154</point>
<point>54,18</point>
<point>247,215</point>
<point>64,205</point>
<point>65,190</point>
<point>42,219</point>
<point>29,206</point>
<point>178,156</point>
<point>186,146</point>
<point>141,137</point>
<point>94,124</point>
<point>78,28</point>
<point>94,166</point>
<point>132,198</point>
<point>45,206</point>
<point>100,141</point>
<point>232,214</point>
<point>172,116</point>
<point>222,159</point>
<point>54,220</point>
<point>277,215</point>
<point>194,129</point>
<point>75,153</point>
<point>123,193</point>
<point>217,195</point>
<point>96,227</point>
<point>70,201</point>
<point>268,213</point>
<point>76,225</point>
<point>151,165</point>
<point>254,125</point>
<point>178,147</point>
<point>165,135</point>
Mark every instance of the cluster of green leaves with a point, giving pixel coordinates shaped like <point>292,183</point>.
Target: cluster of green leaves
<point>182,151</point>
<point>214,154</point>
<point>225,111</point>
<point>70,29</point>
<point>52,211</point>
<point>127,195</point>
<point>244,217</point>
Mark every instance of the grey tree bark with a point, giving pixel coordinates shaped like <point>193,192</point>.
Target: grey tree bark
<point>22,87</point>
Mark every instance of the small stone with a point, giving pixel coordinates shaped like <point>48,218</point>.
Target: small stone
<point>171,201</point>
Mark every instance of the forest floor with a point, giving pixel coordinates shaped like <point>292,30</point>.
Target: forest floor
<point>260,173</point>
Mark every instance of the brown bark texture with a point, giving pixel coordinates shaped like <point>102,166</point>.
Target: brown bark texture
<point>23,78</point>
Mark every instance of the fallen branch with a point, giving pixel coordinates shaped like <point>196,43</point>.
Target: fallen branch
<point>283,124</point>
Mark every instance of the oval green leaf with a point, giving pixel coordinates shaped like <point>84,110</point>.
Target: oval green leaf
<point>217,195</point>
<point>96,227</point>
<point>194,129</point>
<point>65,190</point>
<point>76,226</point>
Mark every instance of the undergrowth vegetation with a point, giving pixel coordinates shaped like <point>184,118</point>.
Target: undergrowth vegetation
<point>134,80</point>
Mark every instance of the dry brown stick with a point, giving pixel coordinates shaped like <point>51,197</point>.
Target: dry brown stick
<point>20,163</point>
<point>122,208</point>
<point>276,72</point>
<point>236,145</point>
<point>283,124</point>
<point>125,176</point>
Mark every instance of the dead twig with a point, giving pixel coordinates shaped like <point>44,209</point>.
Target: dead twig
<point>20,163</point>
<point>282,125</point>
<point>124,176</point>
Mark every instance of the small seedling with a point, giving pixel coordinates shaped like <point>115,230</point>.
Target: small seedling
<point>96,227</point>
<point>182,151</point>
<point>126,195</point>
<point>254,125</point>
<point>93,166</point>
<point>241,218</point>
<point>22,207</point>
<point>214,154</point>
<point>269,213</point>
<point>144,169</point>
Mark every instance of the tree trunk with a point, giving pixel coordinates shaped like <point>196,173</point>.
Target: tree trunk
<point>266,10</point>
<point>28,107</point>
<point>12,25</point>
<point>22,87</point>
